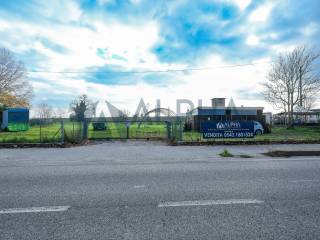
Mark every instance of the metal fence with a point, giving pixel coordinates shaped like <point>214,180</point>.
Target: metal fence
<point>127,130</point>
<point>46,131</point>
<point>67,131</point>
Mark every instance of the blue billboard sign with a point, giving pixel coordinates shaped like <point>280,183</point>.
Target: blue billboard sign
<point>227,129</point>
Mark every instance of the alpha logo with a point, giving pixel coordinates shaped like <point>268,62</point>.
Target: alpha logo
<point>228,125</point>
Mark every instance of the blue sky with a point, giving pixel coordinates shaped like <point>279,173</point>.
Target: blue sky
<point>102,44</point>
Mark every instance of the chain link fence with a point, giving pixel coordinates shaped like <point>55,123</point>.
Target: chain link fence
<point>62,131</point>
<point>67,131</point>
<point>127,130</point>
<point>46,131</point>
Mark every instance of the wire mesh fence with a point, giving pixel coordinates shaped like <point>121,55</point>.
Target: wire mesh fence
<point>41,132</point>
<point>127,130</point>
<point>67,131</point>
<point>45,131</point>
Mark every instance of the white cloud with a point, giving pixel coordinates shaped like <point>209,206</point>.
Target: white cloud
<point>310,29</point>
<point>273,35</point>
<point>215,82</point>
<point>4,25</point>
<point>262,13</point>
<point>242,4</point>
<point>64,11</point>
<point>252,40</point>
<point>278,48</point>
<point>132,42</point>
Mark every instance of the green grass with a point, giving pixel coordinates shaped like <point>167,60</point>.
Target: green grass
<point>35,134</point>
<point>119,130</point>
<point>298,133</point>
<point>226,153</point>
<point>116,130</point>
<point>51,133</point>
<point>30,136</point>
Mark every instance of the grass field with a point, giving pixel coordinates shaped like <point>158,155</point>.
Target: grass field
<point>36,134</point>
<point>119,130</point>
<point>52,133</point>
<point>298,133</point>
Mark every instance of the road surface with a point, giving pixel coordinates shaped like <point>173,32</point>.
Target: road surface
<point>139,190</point>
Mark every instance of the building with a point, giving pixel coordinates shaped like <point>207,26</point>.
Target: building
<point>219,111</point>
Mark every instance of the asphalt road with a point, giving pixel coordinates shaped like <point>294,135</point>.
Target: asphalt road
<point>152,191</point>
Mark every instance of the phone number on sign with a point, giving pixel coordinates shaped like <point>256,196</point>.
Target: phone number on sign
<point>228,135</point>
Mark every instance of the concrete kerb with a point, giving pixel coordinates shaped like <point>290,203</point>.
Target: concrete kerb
<point>170,143</point>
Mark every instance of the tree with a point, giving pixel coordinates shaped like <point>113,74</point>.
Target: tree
<point>81,106</point>
<point>44,111</point>
<point>310,102</point>
<point>292,81</point>
<point>60,113</point>
<point>124,114</point>
<point>15,90</point>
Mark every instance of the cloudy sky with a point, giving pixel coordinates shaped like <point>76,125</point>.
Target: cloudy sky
<point>122,50</point>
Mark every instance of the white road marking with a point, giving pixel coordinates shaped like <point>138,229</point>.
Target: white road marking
<point>139,186</point>
<point>35,209</point>
<point>210,202</point>
<point>304,180</point>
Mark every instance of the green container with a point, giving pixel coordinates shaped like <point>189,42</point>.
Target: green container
<point>17,127</point>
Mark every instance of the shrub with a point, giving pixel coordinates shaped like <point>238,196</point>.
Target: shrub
<point>226,153</point>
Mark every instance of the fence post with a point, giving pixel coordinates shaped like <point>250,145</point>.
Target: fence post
<point>128,124</point>
<point>40,133</point>
<point>168,130</point>
<point>127,127</point>
<point>62,131</point>
<point>200,131</point>
<point>180,130</point>
<point>85,130</point>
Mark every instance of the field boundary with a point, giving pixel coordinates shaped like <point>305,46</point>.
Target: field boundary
<point>170,143</point>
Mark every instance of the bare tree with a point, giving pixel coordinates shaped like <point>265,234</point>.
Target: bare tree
<point>44,111</point>
<point>308,103</point>
<point>15,89</point>
<point>81,107</point>
<point>60,113</point>
<point>292,80</point>
<point>124,114</point>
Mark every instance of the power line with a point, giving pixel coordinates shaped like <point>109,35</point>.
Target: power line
<point>149,71</point>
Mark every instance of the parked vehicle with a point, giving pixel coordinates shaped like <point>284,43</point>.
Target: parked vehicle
<point>258,128</point>
<point>99,126</point>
